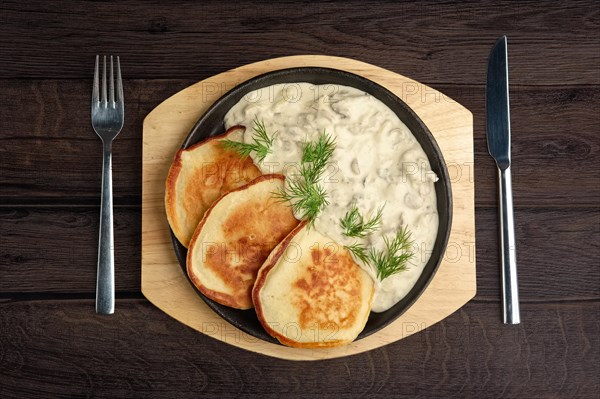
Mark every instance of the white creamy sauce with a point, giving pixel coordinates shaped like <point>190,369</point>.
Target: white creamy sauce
<point>377,161</point>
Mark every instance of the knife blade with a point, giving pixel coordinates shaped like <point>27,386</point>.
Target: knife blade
<point>499,143</point>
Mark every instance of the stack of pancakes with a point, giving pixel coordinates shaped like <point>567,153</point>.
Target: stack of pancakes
<point>247,250</point>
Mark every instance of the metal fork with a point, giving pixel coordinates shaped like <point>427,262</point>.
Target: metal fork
<point>108,115</point>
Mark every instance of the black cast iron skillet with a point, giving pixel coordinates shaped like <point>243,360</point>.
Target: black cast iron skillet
<point>211,123</point>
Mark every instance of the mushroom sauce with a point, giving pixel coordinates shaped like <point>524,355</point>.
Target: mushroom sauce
<point>376,162</point>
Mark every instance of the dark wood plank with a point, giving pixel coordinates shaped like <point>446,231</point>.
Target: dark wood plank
<point>62,349</point>
<point>54,251</point>
<point>555,147</point>
<point>428,40</point>
<point>558,253</point>
<point>49,153</point>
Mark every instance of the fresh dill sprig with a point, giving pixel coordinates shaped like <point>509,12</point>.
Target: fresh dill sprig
<point>393,259</point>
<point>261,145</point>
<point>354,225</point>
<point>306,196</point>
<point>315,157</point>
<point>360,251</point>
<point>307,200</point>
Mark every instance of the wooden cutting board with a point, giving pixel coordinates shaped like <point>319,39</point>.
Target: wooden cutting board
<point>163,281</point>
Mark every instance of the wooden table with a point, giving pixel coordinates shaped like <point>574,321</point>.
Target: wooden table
<point>52,344</point>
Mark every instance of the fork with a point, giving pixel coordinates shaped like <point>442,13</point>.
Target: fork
<point>108,115</point>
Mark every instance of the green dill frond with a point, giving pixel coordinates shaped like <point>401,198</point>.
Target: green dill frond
<point>354,224</point>
<point>304,193</point>
<point>359,251</point>
<point>394,259</point>
<point>307,200</point>
<point>242,149</point>
<point>262,143</point>
<point>316,157</point>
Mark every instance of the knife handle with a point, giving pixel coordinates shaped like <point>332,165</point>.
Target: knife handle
<point>510,289</point>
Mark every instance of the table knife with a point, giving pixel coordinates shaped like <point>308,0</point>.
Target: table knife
<point>498,139</point>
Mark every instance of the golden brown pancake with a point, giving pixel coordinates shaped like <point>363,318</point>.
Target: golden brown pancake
<point>234,238</point>
<point>310,293</point>
<point>198,176</point>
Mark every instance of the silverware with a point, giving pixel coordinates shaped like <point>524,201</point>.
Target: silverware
<point>108,115</point>
<point>498,138</point>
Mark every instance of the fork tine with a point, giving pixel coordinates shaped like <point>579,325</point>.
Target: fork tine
<point>112,83</point>
<point>119,82</point>
<point>96,89</point>
<point>104,82</point>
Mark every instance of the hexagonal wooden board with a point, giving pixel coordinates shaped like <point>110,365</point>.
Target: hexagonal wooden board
<point>163,281</point>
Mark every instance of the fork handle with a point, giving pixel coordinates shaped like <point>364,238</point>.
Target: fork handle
<point>105,283</point>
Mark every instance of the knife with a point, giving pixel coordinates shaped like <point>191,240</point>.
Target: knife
<point>498,139</point>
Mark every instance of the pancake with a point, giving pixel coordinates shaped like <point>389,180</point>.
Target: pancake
<point>310,293</point>
<point>235,237</point>
<point>198,176</point>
